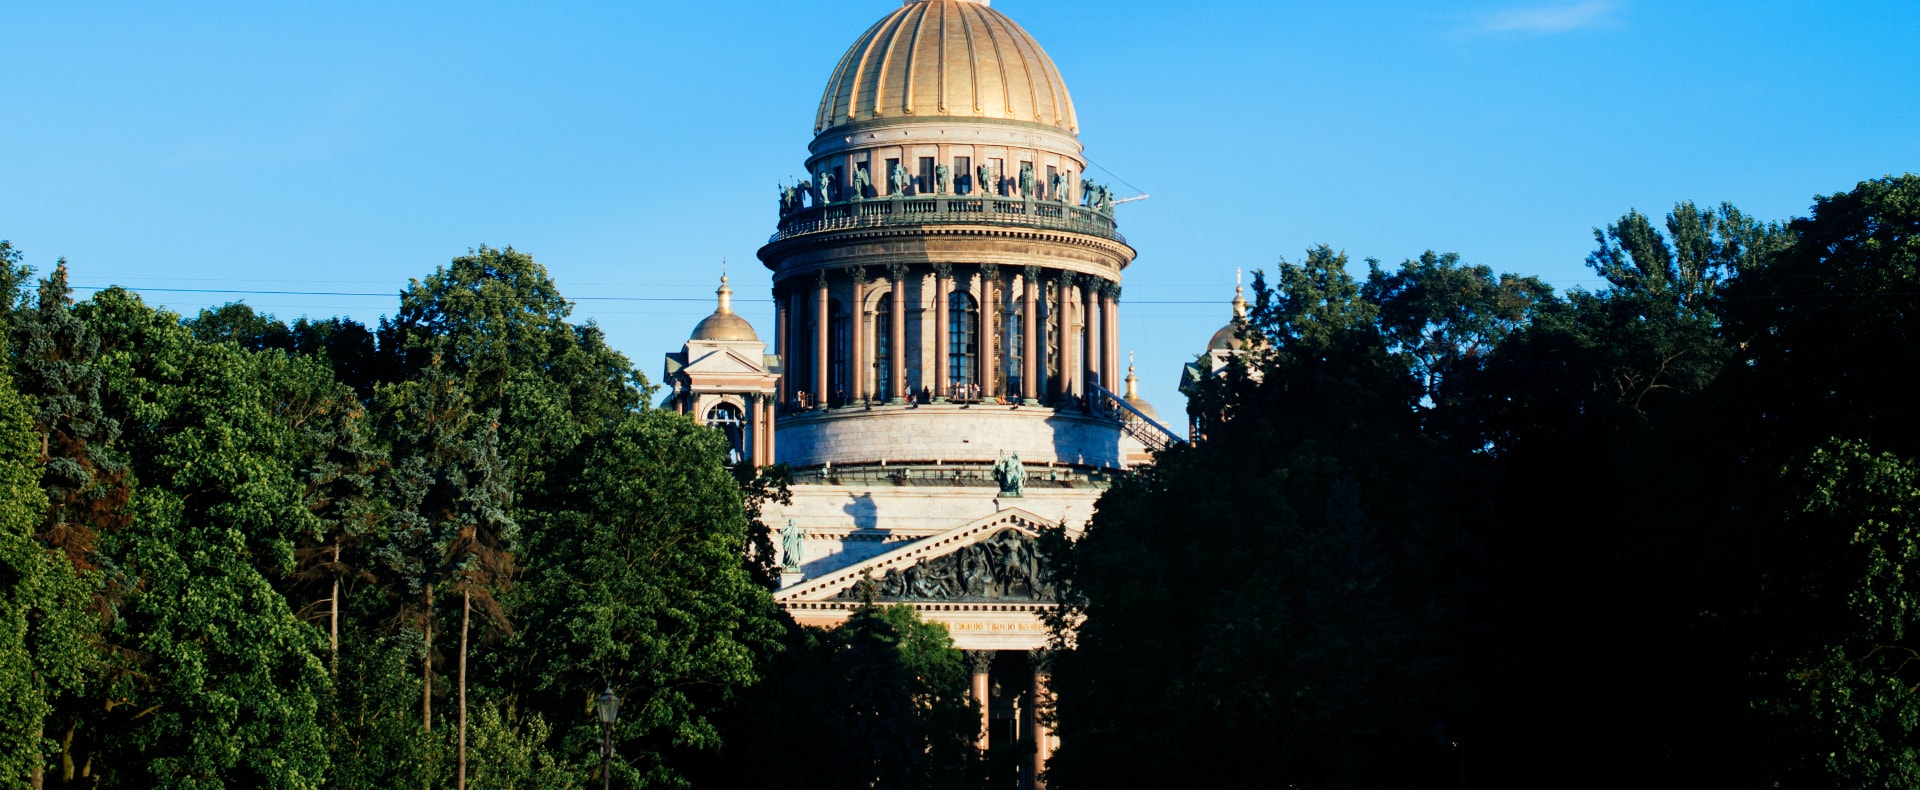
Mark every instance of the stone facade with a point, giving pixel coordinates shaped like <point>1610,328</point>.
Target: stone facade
<point>947,432</point>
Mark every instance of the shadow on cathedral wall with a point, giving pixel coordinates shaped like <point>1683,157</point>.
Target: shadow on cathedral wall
<point>863,542</point>
<point>1076,442</point>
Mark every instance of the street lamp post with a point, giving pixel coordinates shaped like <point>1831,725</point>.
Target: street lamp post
<point>608,706</point>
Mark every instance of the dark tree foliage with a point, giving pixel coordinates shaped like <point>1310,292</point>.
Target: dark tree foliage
<point>1655,532</point>
<point>1302,637</point>
<point>880,702</point>
<point>86,482</point>
<point>347,346</point>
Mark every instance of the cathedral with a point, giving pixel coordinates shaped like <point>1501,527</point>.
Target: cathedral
<point>944,379</point>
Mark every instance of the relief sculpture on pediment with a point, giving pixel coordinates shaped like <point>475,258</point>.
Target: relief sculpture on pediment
<point>1005,566</point>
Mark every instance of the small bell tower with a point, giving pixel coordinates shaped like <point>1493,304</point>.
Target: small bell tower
<point>725,379</point>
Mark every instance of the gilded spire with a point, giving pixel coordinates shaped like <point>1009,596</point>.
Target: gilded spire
<point>725,293</point>
<point>1133,382</point>
<point>1239,301</point>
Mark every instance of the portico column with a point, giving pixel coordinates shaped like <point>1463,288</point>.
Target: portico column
<point>1029,335</point>
<point>980,662</point>
<point>1110,336</point>
<point>990,341</point>
<point>821,317</point>
<point>896,383</point>
<point>1090,336</point>
<point>857,388</point>
<point>766,428</point>
<point>781,339</point>
<point>1063,383</point>
<point>942,345</point>
<point>1042,734</point>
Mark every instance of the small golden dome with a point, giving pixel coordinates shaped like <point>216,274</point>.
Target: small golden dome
<point>1133,393</point>
<point>946,59</point>
<point>723,324</point>
<point>1227,338</point>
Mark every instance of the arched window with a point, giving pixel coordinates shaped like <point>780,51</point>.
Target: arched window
<point>838,348</point>
<point>728,418</point>
<point>963,339</point>
<point>1016,350</point>
<point>883,347</point>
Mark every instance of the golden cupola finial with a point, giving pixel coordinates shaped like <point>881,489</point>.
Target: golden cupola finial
<point>1239,299</point>
<point>1133,382</point>
<point>723,324</point>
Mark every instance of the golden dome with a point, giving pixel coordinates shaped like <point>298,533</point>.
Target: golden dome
<point>1227,339</point>
<point>724,324</point>
<point>940,59</point>
<point>1133,393</point>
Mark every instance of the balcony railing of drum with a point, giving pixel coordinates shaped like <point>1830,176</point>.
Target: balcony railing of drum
<point>878,213</point>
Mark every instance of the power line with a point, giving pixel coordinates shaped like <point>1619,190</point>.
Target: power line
<point>384,294</point>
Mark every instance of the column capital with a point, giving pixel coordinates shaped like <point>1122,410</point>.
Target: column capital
<point>1032,273</point>
<point>979,661</point>
<point>859,274</point>
<point>1112,290</point>
<point>990,272</point>
<point>820,278</point>
<point>1066,279</point>
<point>897,272</point>
<point>943,271</point>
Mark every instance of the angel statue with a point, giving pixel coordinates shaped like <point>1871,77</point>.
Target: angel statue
<point>1011,475</point>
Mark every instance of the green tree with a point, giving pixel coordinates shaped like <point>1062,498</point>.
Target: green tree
<point>497,321</point>
<point>451,523</point>
<point>216,681</point>
<point>85,481</point>
<point>46,624</point>
<point>640,586</point>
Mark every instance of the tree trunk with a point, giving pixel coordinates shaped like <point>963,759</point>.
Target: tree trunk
<point>333,627</point>
<point>466,612</point>
<point>426,669</point>
<point>37,777</point>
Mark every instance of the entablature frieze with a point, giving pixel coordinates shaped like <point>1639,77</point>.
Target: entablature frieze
<point>1098,258</point>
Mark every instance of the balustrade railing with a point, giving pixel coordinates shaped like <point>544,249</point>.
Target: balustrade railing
<point>894,211</point>
<point>1137,424</point>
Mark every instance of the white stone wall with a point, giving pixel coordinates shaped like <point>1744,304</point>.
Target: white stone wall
<point>846,524</point>
<point>947,432</point>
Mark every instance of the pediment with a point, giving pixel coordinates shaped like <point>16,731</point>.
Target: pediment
<point>991,559</point>
<point>725,361</point>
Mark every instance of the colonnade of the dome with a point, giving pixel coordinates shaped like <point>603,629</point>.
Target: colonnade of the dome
<point>945,332</point>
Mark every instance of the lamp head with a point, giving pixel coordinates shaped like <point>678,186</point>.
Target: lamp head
<point>608,706</point>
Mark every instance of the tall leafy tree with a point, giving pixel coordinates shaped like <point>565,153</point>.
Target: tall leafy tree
<point>86,483</point>
<point>217,681</point>
<point>451,521</point>
<point>46,625</point>
<point>496,319</point>
<point>639,585</point>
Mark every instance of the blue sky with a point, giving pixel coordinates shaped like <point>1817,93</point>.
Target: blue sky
<point>630,147</point>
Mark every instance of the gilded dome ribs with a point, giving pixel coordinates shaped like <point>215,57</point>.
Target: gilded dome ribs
<point>886,61</point>
<point>973,62</point>
<point>866,57</point>
<point>913,56</point>
<point>968,47</point>
<point>940,70</point>
<point>999,59</point>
